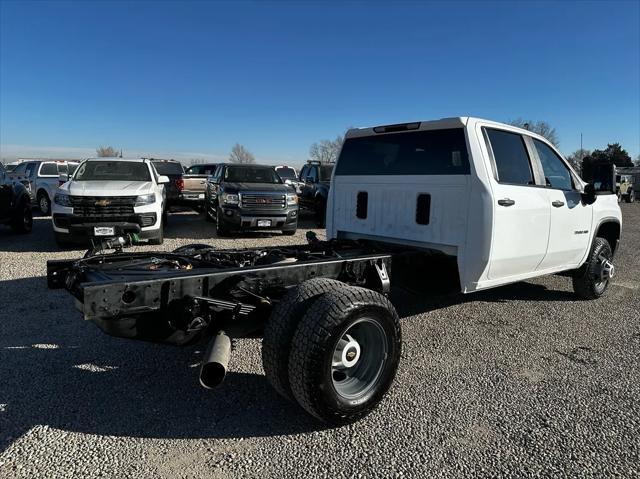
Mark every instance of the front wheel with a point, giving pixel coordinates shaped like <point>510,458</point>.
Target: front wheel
<point>44,204</point>
<point>23,219</point>
<point>630,197</point>
<point>221,228</point>
<point>158,240</point>
<point>345,354</point>
<point>590,281</point>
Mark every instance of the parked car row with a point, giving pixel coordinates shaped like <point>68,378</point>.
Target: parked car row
<point>110,197</point>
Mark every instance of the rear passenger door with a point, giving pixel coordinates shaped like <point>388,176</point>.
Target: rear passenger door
<point>570,218</point>
<point>521,208</point>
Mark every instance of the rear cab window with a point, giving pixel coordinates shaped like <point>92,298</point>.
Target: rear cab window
<point>512,162</point>
<point>167,168</point>
<point>48,169</point>
<point>424,152</point>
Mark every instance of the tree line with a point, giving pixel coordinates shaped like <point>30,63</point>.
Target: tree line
<point>327,151</point>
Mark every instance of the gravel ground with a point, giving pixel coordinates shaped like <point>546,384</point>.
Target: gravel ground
<point>518,381</point>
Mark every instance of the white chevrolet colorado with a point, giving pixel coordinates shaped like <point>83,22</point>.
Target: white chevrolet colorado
<point>110,197</point>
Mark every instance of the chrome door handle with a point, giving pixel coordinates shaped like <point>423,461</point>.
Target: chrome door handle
<point>506,202</point>
<point>558,203</point>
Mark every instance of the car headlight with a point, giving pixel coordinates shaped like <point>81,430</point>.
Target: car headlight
<point>292,199</point>
<point>62,199</point>
<point>230,198</point>
<point>145,199</point>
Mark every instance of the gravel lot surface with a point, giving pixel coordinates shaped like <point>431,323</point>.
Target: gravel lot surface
<point>518,381</point>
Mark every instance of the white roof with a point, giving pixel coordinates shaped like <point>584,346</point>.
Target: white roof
<point>116,158</point>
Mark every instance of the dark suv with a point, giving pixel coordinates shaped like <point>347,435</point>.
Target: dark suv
<point>250,197</point>
<point>15,204</point>
<point>315,178</point>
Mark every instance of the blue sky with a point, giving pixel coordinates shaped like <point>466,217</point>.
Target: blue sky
<point>189,79</point>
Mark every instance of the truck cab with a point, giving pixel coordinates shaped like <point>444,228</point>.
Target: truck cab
<point>315,180</point>
<point>501,200</point>
<point>41,178</point>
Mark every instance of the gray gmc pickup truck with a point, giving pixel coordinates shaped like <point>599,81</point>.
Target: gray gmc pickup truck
<point>250,197</point>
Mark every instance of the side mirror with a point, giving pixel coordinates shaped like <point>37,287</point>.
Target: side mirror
<point>589,194</point>
<point>163,180</point>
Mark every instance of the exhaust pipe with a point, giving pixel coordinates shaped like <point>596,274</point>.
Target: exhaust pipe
<point>215,361</point>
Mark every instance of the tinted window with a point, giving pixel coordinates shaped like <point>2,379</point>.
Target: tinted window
<point>113,171</point>
<point>303,172</point>
<point>433,152</point>
<point>72,167</point>
<point>201,170</point>
<point>50,169</point>
<point>286,173</point>
<point>20,169</point>
<point>510,155</point>
<point>325,172</point>
<point>312,173</point>
<point>556,174</point>
<point>168,167</point>
<point>251,174</point>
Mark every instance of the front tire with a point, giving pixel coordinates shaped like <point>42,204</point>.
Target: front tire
<point>629,197</point>
<point>44,203</point>
<point>221,228</point>
<point>158,240</point>
<point>345,354</point>
<point>282,325</point>
<point>23,220</point>
<point>591,280</point>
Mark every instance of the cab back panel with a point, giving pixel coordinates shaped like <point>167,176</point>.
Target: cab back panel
<point>397,207</point>
<point>415,179</point>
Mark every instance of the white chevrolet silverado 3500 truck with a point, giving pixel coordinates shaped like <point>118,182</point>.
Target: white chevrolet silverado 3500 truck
<point>498,203</point>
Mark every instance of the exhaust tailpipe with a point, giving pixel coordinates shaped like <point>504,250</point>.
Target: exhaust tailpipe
<point>215,361</point>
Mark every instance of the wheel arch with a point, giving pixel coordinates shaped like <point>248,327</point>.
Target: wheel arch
<point>609,229</point>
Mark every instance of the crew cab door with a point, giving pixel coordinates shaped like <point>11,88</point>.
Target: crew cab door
<point>571,219</point>
<point>521,208</point>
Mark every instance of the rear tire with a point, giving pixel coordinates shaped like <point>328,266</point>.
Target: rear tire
<point>44,203</point>
<point>22,222</point>
<point>353,325</point>
<point>281,326</point>
<point>321,212</point>
<point>587,280</point>
<point>629,197</point>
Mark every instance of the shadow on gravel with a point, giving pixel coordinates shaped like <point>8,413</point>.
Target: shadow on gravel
<point>60,371</point>
<point>410,302</point>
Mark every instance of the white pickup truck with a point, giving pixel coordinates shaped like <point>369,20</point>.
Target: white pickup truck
<point>502,200</point>
<point>497,203</point>
<point>110,197</point>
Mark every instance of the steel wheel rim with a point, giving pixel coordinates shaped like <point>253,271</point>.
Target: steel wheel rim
<point>44,204</point>
<point>358,360</point>
<point>605,271</point>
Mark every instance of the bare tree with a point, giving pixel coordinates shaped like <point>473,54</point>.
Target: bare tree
<point>326,151</point>
<point>576,158</point>
<point>108,152</point>
<point>542,128</point>
<point>239,154</point>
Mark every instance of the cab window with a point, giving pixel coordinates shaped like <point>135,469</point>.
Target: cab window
<point>48,169</point>
<point>511,158</point>
<point>556,173</point>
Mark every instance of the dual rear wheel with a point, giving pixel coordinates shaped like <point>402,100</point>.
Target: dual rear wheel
<point>332,348</point>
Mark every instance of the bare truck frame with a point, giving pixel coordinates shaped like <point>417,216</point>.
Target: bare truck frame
<point>196,291</point>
